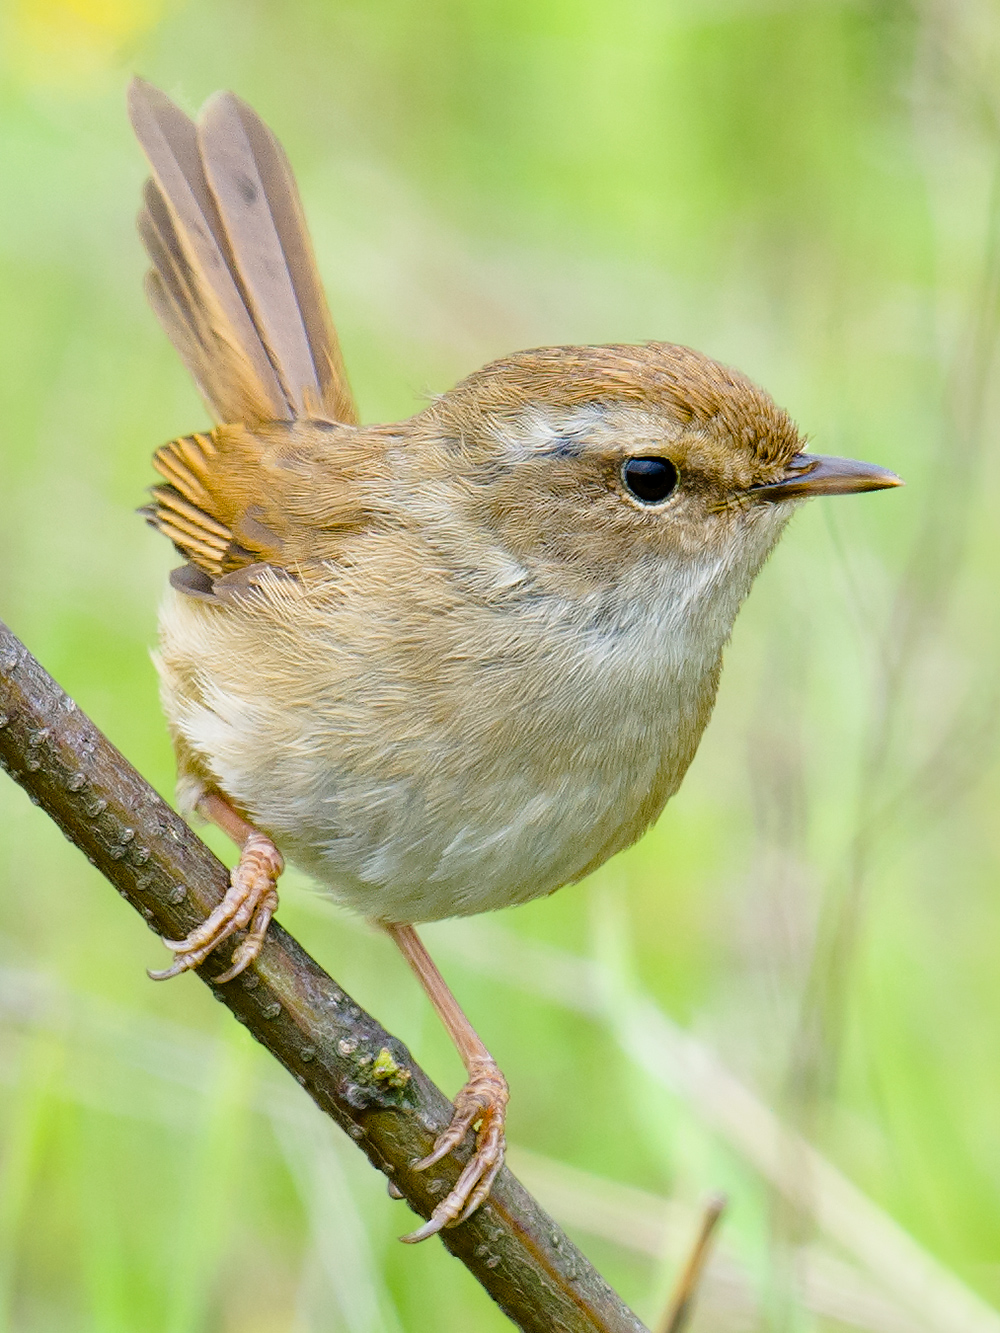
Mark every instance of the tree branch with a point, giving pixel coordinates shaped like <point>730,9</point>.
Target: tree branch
<point>352,1068</point>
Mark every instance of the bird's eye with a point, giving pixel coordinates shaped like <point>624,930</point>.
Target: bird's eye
<point>649,479</point>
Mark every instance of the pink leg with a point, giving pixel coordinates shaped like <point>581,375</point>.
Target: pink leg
<point>250,901</point>
<point>482,1101</point>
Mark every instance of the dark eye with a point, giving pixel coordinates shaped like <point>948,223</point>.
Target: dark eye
<point>649,479</point>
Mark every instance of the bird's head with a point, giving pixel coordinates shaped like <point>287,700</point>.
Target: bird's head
<point>591,465</point>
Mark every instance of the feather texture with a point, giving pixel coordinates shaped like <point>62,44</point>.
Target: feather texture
<point>283,494</point>
<point>452,663</point>
<point>234,279</point>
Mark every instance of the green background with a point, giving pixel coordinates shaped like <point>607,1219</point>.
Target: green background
<point>806,190</point>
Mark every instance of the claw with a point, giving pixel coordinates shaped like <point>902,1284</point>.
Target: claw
<point>242,958</point>
<point>483,1100</point>
<point>481,1192</point>
<point>247,950</point>
<point>251,900</point>
<point>164,974</point>
<point>430,1228</point>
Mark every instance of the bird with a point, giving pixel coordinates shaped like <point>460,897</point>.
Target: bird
<point>444,665</point>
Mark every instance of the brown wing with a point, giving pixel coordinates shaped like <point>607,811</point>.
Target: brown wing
<point>286,495</point>
<point>234,280</point>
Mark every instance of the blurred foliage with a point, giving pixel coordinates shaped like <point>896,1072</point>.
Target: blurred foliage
<point>808,191</point>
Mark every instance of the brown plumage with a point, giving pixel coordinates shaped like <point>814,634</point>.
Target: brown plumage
<point>234,279</point>
<point>285,492</point>
<point>449,664</point>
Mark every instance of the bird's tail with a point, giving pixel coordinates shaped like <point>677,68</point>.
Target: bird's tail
<point>234,279</point>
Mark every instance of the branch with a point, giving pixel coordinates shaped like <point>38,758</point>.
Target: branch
<point>353,1069</point>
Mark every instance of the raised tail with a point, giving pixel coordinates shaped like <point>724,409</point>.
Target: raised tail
<point>234,279</point>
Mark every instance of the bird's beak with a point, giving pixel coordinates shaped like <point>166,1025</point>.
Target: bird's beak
<point>817,474</point>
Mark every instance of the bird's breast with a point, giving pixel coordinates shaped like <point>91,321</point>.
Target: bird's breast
<point>425,760</point>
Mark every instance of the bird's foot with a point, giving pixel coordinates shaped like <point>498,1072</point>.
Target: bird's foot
<point>482,1101</point>
<point>250,902</point>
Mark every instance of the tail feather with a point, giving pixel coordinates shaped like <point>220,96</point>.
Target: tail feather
<point>237,387</point>
<point>234,280</point>
<point>261,211</point>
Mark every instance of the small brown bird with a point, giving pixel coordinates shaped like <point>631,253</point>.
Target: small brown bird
<point>445,665</point>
